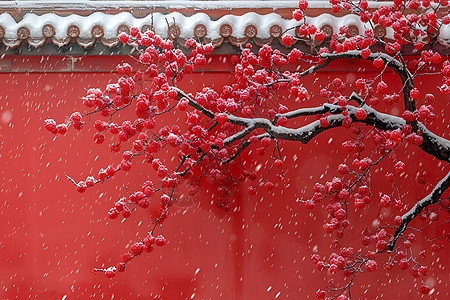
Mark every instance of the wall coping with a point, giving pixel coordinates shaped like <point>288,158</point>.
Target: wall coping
<point>86,23</point>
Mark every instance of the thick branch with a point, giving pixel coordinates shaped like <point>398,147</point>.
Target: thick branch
<point>310,111</point>
<point>430,199</point>
<point>433,144</point>
<point>395,65</point>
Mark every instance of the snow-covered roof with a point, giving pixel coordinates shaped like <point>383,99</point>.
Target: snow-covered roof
<point>173,4</point>
<point>102,21</point>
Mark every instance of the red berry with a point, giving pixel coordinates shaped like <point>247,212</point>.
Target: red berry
<point>347,122</point>
<point>359,203</point>
<point>320,294</point>
<point>343,169</point>
<point>134,31</point>
<point>110,272</point>
<point>360,83</point>
<point>278,163</point>
<point>324,122</point>
<point>423,270</point>
<point>378,62</point>
<point>360,114</point>
<point>390,177</point>
<point>320,265</point>
<point>269,185</point>
<point>297,14</point>
<point>136,248</point>
<point>126,213</point>
<point>114,128</point>
<point>110,171</point>
<point>340,213</point>
<point>100,125</point>
<point>315,258</point>
<point>251,190</point>
<point>414,94</point>
<point>400,255</point>
<point>234,59</point>
<point>288,40</point>
<point>436,59</point>
<point>414,273</point>
<point>183,104</point>
<point>319,36</point>
<point>81,187</point>
<point>75,117</point>
<point>50,125</point>
<point>418,140</point>
<point>400,167</point>
<point>418,46</point>
<point>125,165</point>
<point>433,217</point>
<point>329,228</point>
<point>424,289</point>
<point>160,240</point>
<point>120,267</point>
<point>382,88</point>
<point>172,93</point>
<point>99,138</point>
<point>126,257</point>
<point>365,53</point>
<point>144,203</point>
<point>266,141</point>
<point>403,264</point>
<point>333,269</point>
<point>436,248</point>
<point>309,204</point>
<point>406,129</point>
<point>429,98</point>
<point>371,265</point>
<point>408,116</point>
<point>303,4</point>
<point>381,245</point>
<point>90,181</point>
<point>282,121</point>
<point>113,213</point>
<point>221,118</point>
<point>385,201</point>
<point>124,38</point>
<point>364,189</point>
<point>61,129</point>
<point>446,20</point>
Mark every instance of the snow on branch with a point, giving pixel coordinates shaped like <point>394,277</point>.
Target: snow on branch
<point>430,199</point>
<point>433,144</point>
<point>397,66</point>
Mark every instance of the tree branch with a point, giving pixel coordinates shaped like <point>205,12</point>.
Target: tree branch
<point>430,199</point>
<point>392,63</point>
<point>433,144</point>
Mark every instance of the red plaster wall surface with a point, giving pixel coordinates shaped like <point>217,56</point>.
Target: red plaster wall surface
<point>52,237</point>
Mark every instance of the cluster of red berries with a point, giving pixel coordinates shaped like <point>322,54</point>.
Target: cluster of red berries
<point>204,148</point>
<point>145,246</point>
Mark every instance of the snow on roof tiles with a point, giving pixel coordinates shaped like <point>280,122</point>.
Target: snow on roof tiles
<point>104,27</point>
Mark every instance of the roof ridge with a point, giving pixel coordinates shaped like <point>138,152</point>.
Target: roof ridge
<point>105,27</point>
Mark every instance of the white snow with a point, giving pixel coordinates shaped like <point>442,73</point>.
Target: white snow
<point>177,4</point>
<point>186,23</point>
<point>110,23</point>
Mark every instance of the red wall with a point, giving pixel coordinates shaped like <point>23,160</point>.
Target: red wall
<point>52,237</point>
